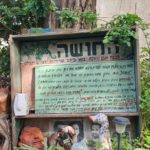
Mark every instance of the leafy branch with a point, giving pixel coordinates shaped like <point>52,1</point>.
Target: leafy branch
<point>121,29</point>
<point>145,76</point>
<point>70,18</point>
<point>4,65</point>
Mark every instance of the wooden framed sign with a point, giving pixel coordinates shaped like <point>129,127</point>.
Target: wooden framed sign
<point>70,76</point>
<point>82,75</point>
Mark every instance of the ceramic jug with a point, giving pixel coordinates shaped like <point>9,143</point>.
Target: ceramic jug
<point>21,107</point>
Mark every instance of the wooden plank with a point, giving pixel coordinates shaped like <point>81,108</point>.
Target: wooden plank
<point>74,115</point>
<point>15,68</point>
<point>17,77</point>
<point>138,80</point>
<point>57,35</point>
<point>137,70</point>
<point>15,80</point>
<point>13,128</point>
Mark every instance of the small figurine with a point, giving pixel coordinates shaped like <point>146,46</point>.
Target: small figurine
<point>79,132</point>
<point>104,134</point>
<point>66,137</point>
<point>95,131</point>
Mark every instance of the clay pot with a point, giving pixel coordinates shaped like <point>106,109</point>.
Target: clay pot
<point>4,92</point>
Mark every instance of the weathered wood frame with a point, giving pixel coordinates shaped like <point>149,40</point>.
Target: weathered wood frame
<point>16,86</point>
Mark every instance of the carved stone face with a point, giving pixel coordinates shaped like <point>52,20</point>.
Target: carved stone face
<point>32,136</point>
<point>95,131</point>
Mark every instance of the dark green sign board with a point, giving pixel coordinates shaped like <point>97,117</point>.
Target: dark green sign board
<point>86,87</point>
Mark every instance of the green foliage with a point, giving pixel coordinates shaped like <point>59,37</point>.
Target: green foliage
<point>9,18</point>
<point>146,136</point>
<point>39,10</point>
<point>26,147</point>
<point>121,29</point>
<point>15,15</point>
<point>94,144</point>
<point>52,6</point>
<point>145,77</point>
<point>88,18</point>
<point>91,143</point>
<point>98,145</point>
<point>68,17</point>
<point>4,65</point>
<point>137,143</point>
<point>125,142</point>
<point>52,147</point>
<point>145,105</point>
<point>145,84</point>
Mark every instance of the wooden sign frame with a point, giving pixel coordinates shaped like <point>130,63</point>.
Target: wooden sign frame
<point>17,85</point>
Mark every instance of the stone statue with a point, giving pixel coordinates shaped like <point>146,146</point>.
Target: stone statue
<point>104,134</point>
<point>66,137</point>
